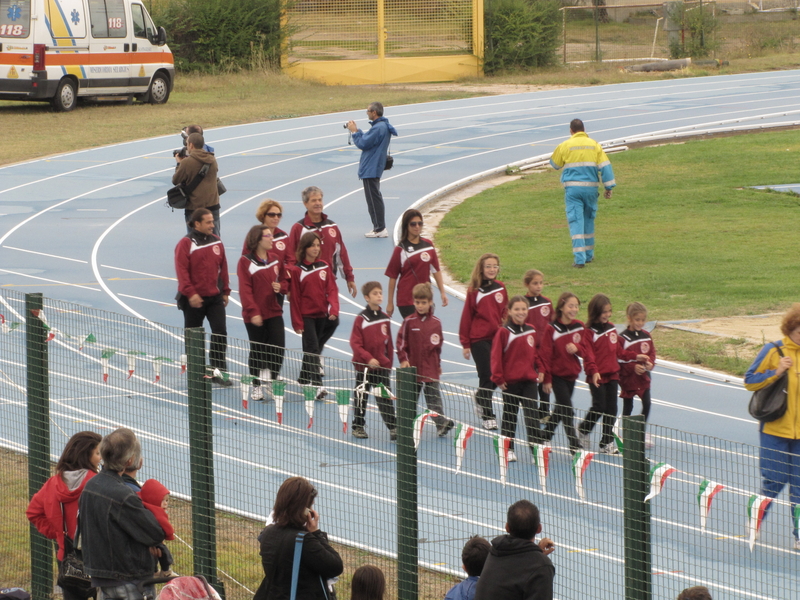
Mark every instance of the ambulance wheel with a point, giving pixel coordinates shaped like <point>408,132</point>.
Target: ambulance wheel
<point>66,97</point>
<point>159,90</point>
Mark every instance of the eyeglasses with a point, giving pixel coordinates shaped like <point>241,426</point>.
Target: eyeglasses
<point>267,235</point>
<point>273,215</point>
<point>415,224</point>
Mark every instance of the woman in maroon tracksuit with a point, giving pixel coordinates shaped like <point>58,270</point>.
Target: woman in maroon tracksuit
<point>602,336</point>
<point>563,342</point>
<point>314,305</point>
<point>483,314</point>
<point>514,370</point>
<point>261,290</point>
<point>269,213</point>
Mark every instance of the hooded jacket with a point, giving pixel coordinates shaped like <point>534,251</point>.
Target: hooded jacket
<point>205,194</point>
<point>374,145</point>
<point>762,373</point>
<point>152,495</point>
<point>44,510</point>
<point>464,590</point>
<point>515,569</point>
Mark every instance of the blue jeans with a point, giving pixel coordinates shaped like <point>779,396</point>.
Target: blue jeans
<point>780,464</point>
<point>581,210</point>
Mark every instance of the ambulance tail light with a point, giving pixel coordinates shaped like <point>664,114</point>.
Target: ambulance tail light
<point>38,57</point>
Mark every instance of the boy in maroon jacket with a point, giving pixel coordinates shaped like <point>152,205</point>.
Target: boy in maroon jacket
<point>371,341</point>
<point>419,344</point>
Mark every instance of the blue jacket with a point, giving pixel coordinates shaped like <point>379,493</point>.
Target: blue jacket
<point>464,590</point>
<point>374,145</point>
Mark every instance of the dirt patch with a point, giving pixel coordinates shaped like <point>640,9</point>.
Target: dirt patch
<point>479,88</point>
<point>755,329</point>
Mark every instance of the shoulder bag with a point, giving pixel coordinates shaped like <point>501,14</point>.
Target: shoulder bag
<point>769,404</point>
<point>389,157</point>
<point>71,574</point>
<point>178,196</point>
<point>298,552</point>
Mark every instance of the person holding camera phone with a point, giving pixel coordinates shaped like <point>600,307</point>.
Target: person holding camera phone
<point>374,146</point>
<point>206,194</point>
<point>293,514</point>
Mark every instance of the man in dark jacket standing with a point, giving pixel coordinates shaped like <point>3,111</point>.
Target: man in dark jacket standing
<point>118,534</point>
<point>374,146</point>
<point>517,568</point>
<point>206,194</point>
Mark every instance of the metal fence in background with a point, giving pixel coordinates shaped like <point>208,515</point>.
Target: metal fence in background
<point>408,506</point>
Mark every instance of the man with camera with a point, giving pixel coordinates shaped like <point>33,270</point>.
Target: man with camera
<point>374,146</point>
<point>206,193</point>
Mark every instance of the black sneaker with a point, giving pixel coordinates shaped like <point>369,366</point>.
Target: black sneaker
<point>358,432</point>
<point>393,435</point>
<point>443,430</point>
<point>222,382</point>
<point>578,266</point>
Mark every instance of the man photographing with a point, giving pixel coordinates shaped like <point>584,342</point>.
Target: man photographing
<point>374,146</point>
<point>206,194</point>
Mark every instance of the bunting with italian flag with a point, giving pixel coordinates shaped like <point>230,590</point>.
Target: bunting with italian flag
<point>159,360</point>
<point>132,354</point>
<point>7,327</point>
<point>310,396</point>
<point>39,314</point>
<point>107,354</point>
<point>541,458</point>
<point>501,444</point>
<point>580,462</point>
<point>343,404</point>
<point>756,509</point>
<point>708,489</point>
<point>419,424</point>
<point>89,339</point>
<point>460,438</point>
<point>658,476</point>
<point>245,382</point>
<point>616,431</point>
<point>278,391</point>
<point>183,364</point>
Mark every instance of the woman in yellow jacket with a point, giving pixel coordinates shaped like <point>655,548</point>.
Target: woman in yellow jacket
<point>780,439</point>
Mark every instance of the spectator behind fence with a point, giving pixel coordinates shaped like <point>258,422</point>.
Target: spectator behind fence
<point>293,514</point>
<point>368,583</point>
<point>473,557</point>
<point>119,534</point>
<point>53,510</point>
<point>698,592</point>
<point>517,568</point>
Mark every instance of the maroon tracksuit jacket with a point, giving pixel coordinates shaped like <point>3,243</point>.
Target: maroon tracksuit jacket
<point>634,343</point>
<point>201,266</point>
<point>419,342</point>
<point>514,356</point>
<point>483,314</point>
<point>372,338</point>
<point>554,356</point>
<point>333,249</point>
<point>313,292</point>
<point>256,277</point>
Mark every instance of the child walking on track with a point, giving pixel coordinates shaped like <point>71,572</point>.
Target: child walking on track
<point>602,335</point>
<point>540,315</point>
<point>639,358</point>
<point>314,306</point>
<point>371,342</point>
<point>483,314</point>
<point>514,370</point>
<point>419,344</point>
<point>563,342</point>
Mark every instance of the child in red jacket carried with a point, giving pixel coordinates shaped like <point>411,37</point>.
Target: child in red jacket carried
<point>155,498</point>
<point>371,342</point>
<point>419,344</point>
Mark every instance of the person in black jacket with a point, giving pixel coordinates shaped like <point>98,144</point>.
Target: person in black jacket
<point>517,568</point>
<point>293,514</point>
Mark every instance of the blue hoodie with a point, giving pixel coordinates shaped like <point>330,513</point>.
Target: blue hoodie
<point>464,590</point>
<point>374,145</point>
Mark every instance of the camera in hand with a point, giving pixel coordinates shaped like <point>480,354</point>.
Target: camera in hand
<point>182,153</point>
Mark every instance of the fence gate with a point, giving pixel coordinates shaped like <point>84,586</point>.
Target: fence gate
<point>384,41</point>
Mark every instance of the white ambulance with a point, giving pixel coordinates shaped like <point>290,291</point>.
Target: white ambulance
<point>62,50</point>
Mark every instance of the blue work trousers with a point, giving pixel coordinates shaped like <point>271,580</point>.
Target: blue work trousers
<point>581,210</point>
<point>780,465</point>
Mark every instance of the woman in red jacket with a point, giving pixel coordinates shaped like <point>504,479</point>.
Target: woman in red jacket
<point>314,300</point>
<point>564,340</point>
<point>261,289</point>
<point>54,508</point>
<point>483,314</point>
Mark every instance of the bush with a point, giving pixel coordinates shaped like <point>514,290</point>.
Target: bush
<point>520,33</point>
<point>700,25</point>
<point>212,35</point>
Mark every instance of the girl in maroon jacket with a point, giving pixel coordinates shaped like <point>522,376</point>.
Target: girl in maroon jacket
<point>53,510</point>
<point>562,343</point>
<point>261,290</point>
<point>602,335</point>
<point>483,314</point>
<point>540,315</point>
<point>514,370</point>
<point>314,303</point>
<point>638,359</point>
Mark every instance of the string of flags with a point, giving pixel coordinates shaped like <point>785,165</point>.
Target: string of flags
<point>658,475</point>
<point>580,462</point>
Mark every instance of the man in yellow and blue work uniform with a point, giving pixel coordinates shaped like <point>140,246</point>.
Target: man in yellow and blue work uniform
<point>585,167</point>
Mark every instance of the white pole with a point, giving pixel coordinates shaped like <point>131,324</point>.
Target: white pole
<point>655,34</point>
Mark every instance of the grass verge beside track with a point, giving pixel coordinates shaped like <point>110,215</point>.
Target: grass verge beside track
<point>682,233</point>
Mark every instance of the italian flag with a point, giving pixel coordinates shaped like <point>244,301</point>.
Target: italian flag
<point>658,476</point>
<point>419,424</point>
<point>39,314</point>
<point>756,509</point>
<point>616,431</point>
<point>89,339</point>
<point>245,382</point>
<point>501,444</point>
<point>183,364</point>
<point>278,390</point>
<point>462,434</point>
<point>132,354</point>
<point>310,395</point>
<point>708,489</point>
<point>107,353</point>
<point>382,391</point>
<point>541,458</point>
<point>580,462</point>
<point>343,403</point>
<point>5,327</point>
<point>159,360</point>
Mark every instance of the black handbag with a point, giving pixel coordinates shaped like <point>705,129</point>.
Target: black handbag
<point>389,161</point>
<point>178,196</point>
<point>71,574</point>
<point>769,404</point>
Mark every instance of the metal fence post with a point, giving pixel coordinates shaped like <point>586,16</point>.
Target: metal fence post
<point>407,524</point>
<point>38,383</point>
<point>204,530</point>
<point>636,471</point>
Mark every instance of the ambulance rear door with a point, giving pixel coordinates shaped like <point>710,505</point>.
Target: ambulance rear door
<point>111,48</point>
<point>68,47</point>
<point>16,49</point>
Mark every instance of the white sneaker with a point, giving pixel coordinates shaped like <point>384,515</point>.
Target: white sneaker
<point>648,441</point>
<point>490,424</point>
<point>377,234</point>
<point>512,456</point>
<point>256,394</point>
<point>583,438</point>
<point>610,449</point>
<point>797,544</point>
<point>476,406</point>
<point>321,393</point>
<point>321,367</point>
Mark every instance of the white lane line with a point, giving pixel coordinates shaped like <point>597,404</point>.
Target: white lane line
<point>85,262</point>
<point>139,272</point>
<point>85,287</point>
<point>160,302</point>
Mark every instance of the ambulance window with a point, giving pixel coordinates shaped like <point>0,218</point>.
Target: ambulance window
<point>108,18</point>
<point>15,18</point>
<point>66,20</point>
<point>138,21</point>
